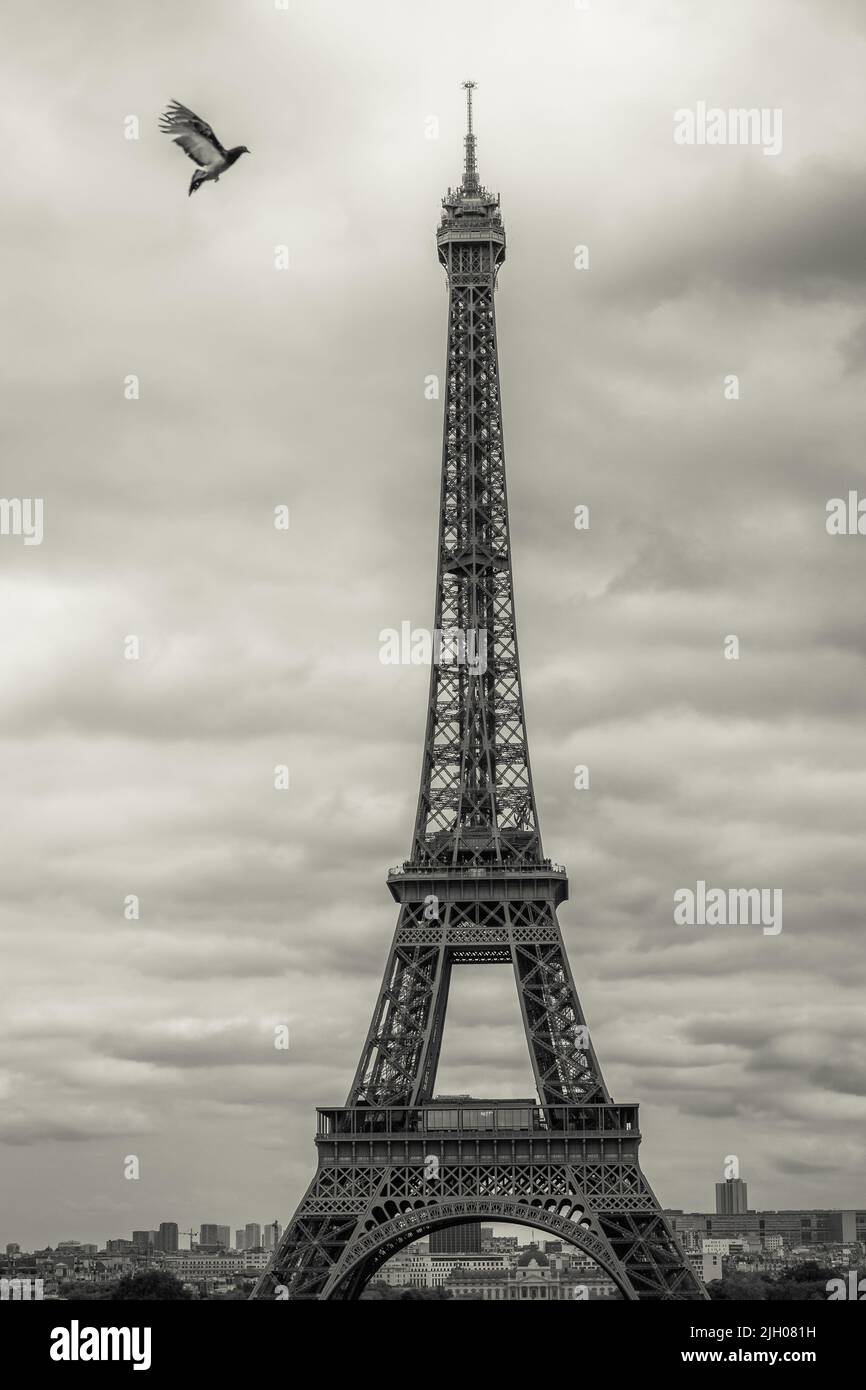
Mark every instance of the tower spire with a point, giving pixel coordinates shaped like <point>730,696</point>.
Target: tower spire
<point>470,173</point>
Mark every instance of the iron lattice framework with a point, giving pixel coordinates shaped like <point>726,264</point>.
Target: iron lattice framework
<point>395,1164</point>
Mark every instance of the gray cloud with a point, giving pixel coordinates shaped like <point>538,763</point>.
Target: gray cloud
<point>259,647</point>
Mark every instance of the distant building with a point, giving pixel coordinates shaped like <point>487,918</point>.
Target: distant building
<point>457,1240</point>
<point>167,1238</point>
<point>532,1278</point>
<point>530,1275</point>
<point>717,1247</point>
<point>271,1235</point>
<point>407,1271</point>
<point>443,1266</point>
<point>252,1235</point>
<point>696,1261</point>
<point>784,1229</point>
<point>731,1197</point>
<point>211,1234</point>
<point>410,1269</point>
<point>198,1266</point>
<point>240,1240</point>
<point>713,1254</point>
<point>689,1239</point>
<point>144,1242</point>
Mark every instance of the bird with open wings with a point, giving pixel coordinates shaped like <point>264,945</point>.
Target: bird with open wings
<point>196,138</point>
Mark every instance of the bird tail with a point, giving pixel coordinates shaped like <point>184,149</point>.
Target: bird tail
<point>196,181</point>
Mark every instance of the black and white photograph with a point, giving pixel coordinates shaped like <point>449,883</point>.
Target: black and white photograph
<point>433,683</point>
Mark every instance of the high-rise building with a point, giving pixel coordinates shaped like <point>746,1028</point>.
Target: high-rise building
<point>240,1240</point>
<point>252,1235</point>
<point>731,1197</point>
<point>271,1235</point>
<point>167,1237</point>
<point>212,1234</point>
<point>457,1240</point>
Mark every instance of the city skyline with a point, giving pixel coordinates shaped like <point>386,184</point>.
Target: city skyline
<point>153,1037</point>
<point>510,1231</point>
<point>151,1230</point>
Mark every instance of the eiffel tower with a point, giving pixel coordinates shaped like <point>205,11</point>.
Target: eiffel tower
<point>397,1163</point>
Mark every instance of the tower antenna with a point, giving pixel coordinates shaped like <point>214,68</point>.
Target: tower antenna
<point>470,173</point>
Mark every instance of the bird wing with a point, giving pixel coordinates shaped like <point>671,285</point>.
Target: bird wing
<point>195,136</point>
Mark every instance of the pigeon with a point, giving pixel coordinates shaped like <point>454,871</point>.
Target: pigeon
<point>196,138</point>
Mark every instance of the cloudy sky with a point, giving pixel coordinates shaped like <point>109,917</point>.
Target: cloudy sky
<point>305,387</point>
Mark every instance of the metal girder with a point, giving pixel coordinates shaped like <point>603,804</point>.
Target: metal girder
<point>608,1213</point>
<point>398,1065</point>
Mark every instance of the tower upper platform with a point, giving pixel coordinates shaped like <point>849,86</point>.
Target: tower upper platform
<point>471,212</point>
